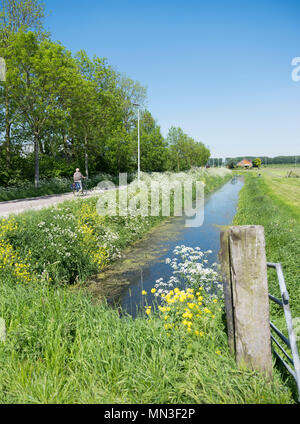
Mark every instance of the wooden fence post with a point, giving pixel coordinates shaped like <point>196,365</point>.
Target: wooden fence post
<point>244,270</point>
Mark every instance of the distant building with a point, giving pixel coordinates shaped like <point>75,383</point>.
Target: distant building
<point>245,163</point>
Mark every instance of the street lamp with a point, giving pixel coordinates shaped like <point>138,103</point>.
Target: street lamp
<point>139,149</point>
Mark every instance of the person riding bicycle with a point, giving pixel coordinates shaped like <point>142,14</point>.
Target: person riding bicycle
<point>78,177</point>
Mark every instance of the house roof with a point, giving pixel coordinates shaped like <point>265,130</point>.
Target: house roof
<point>245,162</point>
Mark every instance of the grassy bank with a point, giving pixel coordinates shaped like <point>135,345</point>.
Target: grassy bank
<point>70,242</point>
<point>269,201</point>
<point>262,204</point>
<point>62,347</point>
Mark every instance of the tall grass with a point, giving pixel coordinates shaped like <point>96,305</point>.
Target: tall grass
<point>63,348</point>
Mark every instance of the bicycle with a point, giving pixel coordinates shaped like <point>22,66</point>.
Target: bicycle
<point>77,188</point>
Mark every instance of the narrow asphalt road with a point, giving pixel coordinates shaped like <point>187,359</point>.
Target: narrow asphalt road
<point>37,203</point>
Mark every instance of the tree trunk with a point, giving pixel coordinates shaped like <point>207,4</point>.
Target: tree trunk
<point>7,130</point>
<point>37,162</point>
<point>86,156</point>
<point>65,138</point>
<point>41,147</point>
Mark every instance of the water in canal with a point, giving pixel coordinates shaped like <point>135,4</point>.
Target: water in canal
<point>144,263</point>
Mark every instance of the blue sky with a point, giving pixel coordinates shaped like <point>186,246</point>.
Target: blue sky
<point>219,69</point>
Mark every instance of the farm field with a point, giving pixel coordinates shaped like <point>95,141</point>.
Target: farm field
<point>284,187</point>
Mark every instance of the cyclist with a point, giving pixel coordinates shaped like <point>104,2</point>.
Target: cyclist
<point>78,177</point>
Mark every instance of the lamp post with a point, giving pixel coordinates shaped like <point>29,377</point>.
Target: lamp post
<point>139,147</point>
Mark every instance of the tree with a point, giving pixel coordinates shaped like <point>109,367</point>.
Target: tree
<point>231,163</point>
<point>153,146</point>
<point>22,15</point>
<point>185,152</point>
<point>97,112</point>
<point>257,163</point>
<point>130,93</point>
<point>16,15</point>
<point>39,75</point>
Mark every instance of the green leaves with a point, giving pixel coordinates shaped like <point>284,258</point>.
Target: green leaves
<point>77,110</point>
<point>185,152</point>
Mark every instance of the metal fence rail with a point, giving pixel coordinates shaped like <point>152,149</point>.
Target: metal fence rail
<point>291,341</point>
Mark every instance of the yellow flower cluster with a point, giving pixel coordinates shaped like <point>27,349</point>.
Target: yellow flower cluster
<point>100,257</point>
<point>188,309</point>
<point>89,220</point>
<point>7,226</point>
<point>10,262</point>
<point>89,216</point>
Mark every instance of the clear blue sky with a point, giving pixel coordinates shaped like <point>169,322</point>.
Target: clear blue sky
<point>219,69</point>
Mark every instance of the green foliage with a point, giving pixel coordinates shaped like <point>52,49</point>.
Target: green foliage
<point>185,152</point>
<point>231,164</point>
<point>257,163</point>
<point>74,111</point>
<point>18,15</point>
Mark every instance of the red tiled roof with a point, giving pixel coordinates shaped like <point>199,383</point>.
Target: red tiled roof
<point>245,162</point>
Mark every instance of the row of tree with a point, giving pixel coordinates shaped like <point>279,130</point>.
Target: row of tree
<point>75,111</point>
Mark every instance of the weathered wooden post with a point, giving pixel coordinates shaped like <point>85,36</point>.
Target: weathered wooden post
<point>244,270</point>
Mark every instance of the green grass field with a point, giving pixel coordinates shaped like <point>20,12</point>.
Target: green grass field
<point>272,201</point>
<point>285,188</point>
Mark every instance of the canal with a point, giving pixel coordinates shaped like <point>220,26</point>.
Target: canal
<point>145,262</point>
